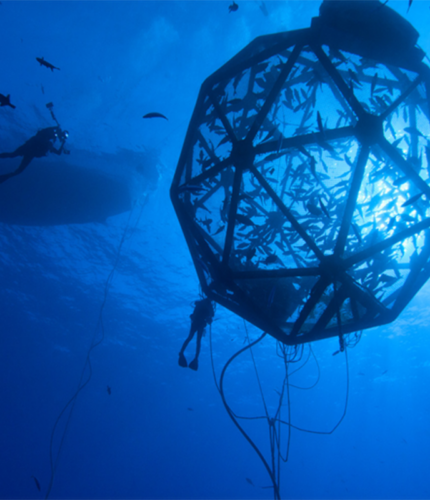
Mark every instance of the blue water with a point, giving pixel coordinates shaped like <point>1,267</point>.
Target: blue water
<point>163,431</point>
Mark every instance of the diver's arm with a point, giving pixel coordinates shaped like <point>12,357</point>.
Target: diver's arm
<point>58,151</point>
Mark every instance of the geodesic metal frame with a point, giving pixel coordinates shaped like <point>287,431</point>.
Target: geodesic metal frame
<point>300,186</point>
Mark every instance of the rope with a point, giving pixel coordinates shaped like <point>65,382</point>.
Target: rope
<point>232,416</point>
<point>318,368</point>
<point>212,359</point>
<point>344,411</point>
<point>294,355</point>
<point>93,345</point>
<point>256,373</point>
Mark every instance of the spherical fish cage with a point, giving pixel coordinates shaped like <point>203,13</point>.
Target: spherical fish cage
<point>302,188</point>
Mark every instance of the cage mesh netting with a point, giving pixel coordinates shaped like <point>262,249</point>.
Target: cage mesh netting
<point>303,184</point>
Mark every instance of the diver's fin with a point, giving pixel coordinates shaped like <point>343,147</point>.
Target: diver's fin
<point>182,361</point>
<point>194,365</point>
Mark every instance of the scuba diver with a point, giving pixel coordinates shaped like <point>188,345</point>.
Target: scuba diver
<point>200,318</point>
<point>36,147</point>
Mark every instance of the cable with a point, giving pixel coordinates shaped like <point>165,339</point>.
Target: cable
<point>212,359</point>
<point>318,368</point>
<point>292,354</point>
<point>344,411</point>
<point>256,373</point>
<point>231,414</point>
<point>94,344</point>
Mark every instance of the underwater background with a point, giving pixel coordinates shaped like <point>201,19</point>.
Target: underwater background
<point>93,234</point>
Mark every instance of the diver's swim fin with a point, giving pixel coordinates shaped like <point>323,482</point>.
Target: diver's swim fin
<point>182,361</point>
<point>194,365</point>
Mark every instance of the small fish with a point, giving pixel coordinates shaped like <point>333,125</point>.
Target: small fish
<point>320,124</point>
<point>191,188</point>
<point>36,482</point>
<point>190,409</point>
<point>250,254</point>
<point>207,223</point>
<point>384,372</point>
<point>263,9</point>
<point>409,5</point>
<point>249,481</point>
<point>154,115</point>
<point>109,390</point>
<point>42,62</point>
<point>356,232</point>
<point>361,373</point>
<point>412,200</point>
<point>354,76</point>
<point>243,219</point>
<point>5,101</point>
<point>233,7</point>
<point>385,278</point>
<point>303,151</point>
<point>313,166</point>
<point>373,84</point>
<point>313,209</point>
<point>270,259</point>
<point>324,208</point>
<point>221,228</point>
<point>336,352</point>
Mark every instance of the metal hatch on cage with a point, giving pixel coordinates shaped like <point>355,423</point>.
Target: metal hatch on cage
<point>302,188</point>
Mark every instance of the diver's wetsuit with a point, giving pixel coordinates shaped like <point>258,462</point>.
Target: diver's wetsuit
<point>200,318</point>
<point>36,147</point>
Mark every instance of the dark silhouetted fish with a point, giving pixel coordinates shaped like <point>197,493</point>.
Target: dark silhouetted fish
<point>36,482</point>
<point>356,231</point>
<point>263,9</point>
<point>5,101</point>
<point>373,84</point>
<point>221,228</point>
<point>320,124</point>
<point>399,182</point>
<point>324,208</point>
<point>109,390</point>
<point>270,259</point>
<point>46,63</point>
<point>385,278</point>
<point>303,151</point>
<point>412,200</point>
<point>233,7</point>
<point>250,254</point>
<point>249,481</point>
<point>154,115</point>
<point>243,219</point>
<point>313,166</point>
<point>191,188</point>
<point>207,223</point>
<point>313,209</point>
<point>190,409</point>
